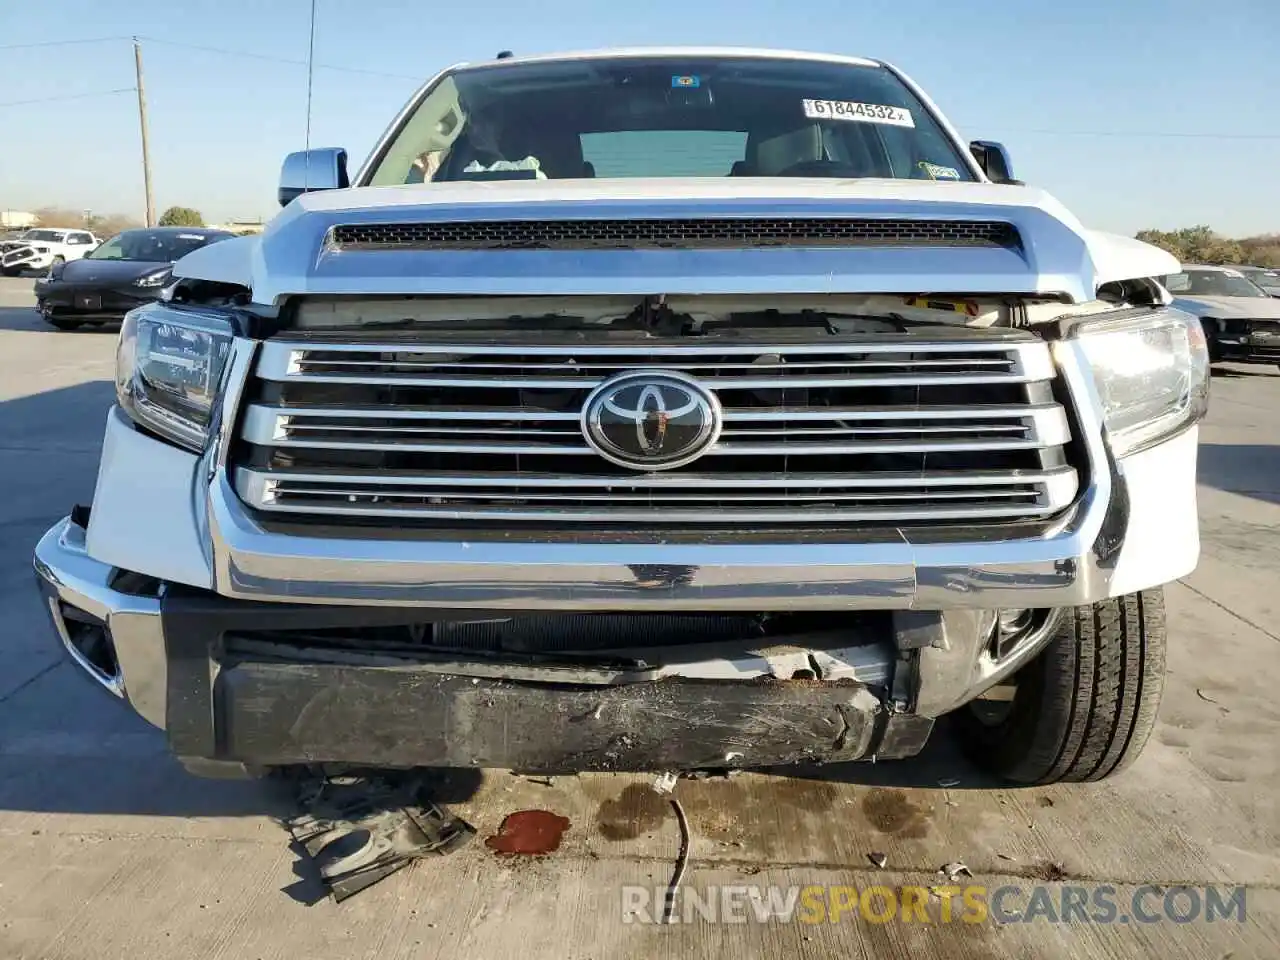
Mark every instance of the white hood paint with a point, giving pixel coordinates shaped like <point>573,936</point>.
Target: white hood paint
<point>274,265</point>
<point>1231,308</point>
<point>227,261</point>
<point>1123,258</point>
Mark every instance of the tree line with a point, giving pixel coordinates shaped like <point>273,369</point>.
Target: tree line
<point>1201,245</point>
<point>110,224</point>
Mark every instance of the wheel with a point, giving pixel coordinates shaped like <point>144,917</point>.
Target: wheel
<point>1084,708</point>
<point>64,324</point>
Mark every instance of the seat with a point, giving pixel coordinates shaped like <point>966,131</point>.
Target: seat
<point>559,152</point>
<point>770,153</point>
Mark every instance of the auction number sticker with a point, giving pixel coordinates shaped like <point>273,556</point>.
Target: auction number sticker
<point>858,112</point>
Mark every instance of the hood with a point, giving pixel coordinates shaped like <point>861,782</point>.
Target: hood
<point>1231,308</point>
<point>1054,254</point>
<point>109,271</point>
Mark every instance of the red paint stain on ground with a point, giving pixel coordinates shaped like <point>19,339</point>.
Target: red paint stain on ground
<point>528,832</point>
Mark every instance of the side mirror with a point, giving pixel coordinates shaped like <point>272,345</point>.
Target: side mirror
<point>994,160</point>
<point>308,170</point>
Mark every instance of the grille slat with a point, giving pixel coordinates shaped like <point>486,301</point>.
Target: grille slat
<point>971,497</point>
<point>673,233</point>
<point>891,430</point>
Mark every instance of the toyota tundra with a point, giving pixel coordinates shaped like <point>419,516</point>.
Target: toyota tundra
<point>646,410</point>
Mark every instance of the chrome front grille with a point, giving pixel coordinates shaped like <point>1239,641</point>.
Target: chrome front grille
<point>888,430</point>
<point>674,233</point>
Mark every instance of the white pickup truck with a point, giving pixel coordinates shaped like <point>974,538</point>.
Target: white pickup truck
<point>647,410</point>
<point>41,248</point>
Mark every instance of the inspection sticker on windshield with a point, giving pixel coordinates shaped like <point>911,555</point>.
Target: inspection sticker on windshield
<point>858,112</point>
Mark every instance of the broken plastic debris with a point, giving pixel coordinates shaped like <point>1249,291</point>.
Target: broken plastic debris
<point>665,782</point>
<point>732,755</point>
<point>955,870</point>
<point>359,830</point>
<point>949,782</point>
<point>879,859</point>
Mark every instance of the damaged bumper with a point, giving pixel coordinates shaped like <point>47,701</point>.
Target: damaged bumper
<point>214,673</point>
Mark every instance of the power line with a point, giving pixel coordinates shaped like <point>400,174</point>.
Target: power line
<point>69,96</point>
<point>274,59</point>
<point>59,43</point>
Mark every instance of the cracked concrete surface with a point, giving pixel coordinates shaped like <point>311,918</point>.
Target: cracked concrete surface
<point>109,850</point>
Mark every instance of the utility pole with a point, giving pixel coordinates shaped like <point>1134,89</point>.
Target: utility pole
<point>142,119</point>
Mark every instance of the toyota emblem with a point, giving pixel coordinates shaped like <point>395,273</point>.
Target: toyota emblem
<point>651,420</point>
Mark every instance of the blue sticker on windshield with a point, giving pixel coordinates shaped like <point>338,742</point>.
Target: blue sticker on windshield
<point>687,81</point>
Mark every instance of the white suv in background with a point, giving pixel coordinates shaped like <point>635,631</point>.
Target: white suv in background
<point>40,249</point>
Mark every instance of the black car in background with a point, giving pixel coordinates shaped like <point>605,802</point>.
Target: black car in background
<point>127,271</point>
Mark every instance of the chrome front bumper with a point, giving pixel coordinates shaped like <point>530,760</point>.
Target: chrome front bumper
<point>165,655</point>
<point>76,589</point>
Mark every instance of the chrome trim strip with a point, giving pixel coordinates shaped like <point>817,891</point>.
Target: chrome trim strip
<point>277,355</point>
<point>676,482</point>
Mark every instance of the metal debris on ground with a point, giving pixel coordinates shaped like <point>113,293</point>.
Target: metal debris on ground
<point>1204,696</point>
<point>955,870</point>
<point>682,861</point>
<point>358,830</point>
<point>949,782</point>
<point>879,859</point>
<point>665,782</point>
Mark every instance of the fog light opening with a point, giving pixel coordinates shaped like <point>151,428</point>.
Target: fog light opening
<point>92,641</point>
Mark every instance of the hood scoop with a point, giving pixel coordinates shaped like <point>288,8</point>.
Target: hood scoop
<point>677,233</point>
<point>682,237</point>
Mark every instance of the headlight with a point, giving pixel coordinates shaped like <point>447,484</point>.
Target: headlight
<point>169,365</point>
<point>1152,376</point>
<point>152,279</point>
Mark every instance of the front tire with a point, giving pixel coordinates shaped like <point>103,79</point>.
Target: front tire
<point>1084,707</point>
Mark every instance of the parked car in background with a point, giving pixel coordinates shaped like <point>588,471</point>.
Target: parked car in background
<point>1265,277</point>
<point>1241,320</point>
<point>127,271</point>
<point>41,248</point>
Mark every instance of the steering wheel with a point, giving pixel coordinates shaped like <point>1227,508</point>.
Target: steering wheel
<point>820,168</point>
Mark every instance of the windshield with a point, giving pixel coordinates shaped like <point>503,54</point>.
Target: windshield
<point>668,117</point>
<point>1212,283</point>
<point>1263,278</point>
<point>53,236</point>
<point>152,245</point>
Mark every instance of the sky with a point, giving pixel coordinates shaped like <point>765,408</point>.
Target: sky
<point>1134,113</point>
